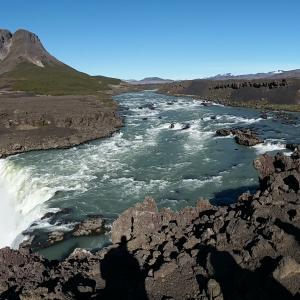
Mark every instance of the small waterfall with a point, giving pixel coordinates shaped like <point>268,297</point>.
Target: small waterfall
<point>21,200</point>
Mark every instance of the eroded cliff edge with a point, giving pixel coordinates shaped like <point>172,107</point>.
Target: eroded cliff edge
<point>248,250</point>
<point>262,93</point>
<point>50,122</point>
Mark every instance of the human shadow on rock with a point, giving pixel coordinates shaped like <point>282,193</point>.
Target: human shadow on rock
<point>78,287</point>
<point>229,196</point>
<point>123,277</point>
<point>237,283</point>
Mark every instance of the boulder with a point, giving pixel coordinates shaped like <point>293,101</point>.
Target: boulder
<point>287,266</point>
<point>90,226</point>
<point>264,164</point>
<point>242,136</point>
<point>223,132</point>
<point>247,139</point>
<point>137,221</point>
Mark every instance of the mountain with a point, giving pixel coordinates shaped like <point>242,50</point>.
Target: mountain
<point>150,80</point>
<point>26,65</point>
<point>23,47</point>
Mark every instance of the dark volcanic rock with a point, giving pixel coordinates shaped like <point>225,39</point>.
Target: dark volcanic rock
<point>51,122</point>
<point>248,250</point>
<point>186,126</point>
<point>247,139</point>
<point>264,115</point>
<point>90,226</point>
<point>293,147</point>
<point>223,132</point>
<point>242,136</point>
<point>150,106</point>
<point>261,93</point>
<point>285,118</point>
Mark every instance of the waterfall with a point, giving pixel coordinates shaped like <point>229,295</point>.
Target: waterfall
<point>21,200</point>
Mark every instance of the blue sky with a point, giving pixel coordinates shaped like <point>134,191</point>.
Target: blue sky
<point>168,38</point>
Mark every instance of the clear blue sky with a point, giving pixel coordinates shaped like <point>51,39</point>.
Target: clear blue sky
<point>167,38</point>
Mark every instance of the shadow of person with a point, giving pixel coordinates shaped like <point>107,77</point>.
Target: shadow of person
<point>123,277</point>
<point>240,284</point>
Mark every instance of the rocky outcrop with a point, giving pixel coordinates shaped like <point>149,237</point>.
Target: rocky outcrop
<point>262,93</point>
<point>90,226</point>
<point>48,122</point>
<point>242,136</point>
<point>5,43</point>
<point>271,84</point>
<point>23,46</point>
<point>285,118</point>
<point>247,250</point>
<point>293,147</point>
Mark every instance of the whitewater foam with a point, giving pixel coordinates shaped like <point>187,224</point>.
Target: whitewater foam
<point>192,183</point>
<point>270,145</point>
<point>22,197</point>
<point>236,119</point>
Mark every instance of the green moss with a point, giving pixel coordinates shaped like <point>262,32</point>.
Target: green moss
<point>56,80</point>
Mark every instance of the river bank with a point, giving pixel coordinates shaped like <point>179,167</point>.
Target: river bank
<point>53,122</point>
<point>263,94</point>
<point>258,105</point>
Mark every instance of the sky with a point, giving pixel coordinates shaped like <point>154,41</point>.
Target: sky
<point>133,39</point>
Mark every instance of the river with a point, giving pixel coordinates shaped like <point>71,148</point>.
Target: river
<point>146,158</point>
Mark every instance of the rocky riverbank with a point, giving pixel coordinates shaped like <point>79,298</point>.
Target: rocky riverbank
<point>50,122</point>
<point>268,93</point>
<point>248,250</point>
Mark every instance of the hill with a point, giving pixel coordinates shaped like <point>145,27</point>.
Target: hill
<point>25,65</point>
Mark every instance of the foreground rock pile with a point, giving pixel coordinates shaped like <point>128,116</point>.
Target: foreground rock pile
<point>248,250</point>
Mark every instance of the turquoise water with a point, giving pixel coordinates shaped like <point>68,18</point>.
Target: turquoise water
<point>146,158</point>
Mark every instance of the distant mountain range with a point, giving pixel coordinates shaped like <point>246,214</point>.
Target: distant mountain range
<point>27,66</point>
<point>280,74</point>
<point>149,80</point>
<point>275,74</point>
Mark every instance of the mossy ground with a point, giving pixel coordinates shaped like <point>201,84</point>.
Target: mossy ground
<point>56,80</point>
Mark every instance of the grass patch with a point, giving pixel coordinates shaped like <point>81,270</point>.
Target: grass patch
<point>56,80</point>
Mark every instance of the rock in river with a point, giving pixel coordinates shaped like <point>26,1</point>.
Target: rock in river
<point>242,136</point>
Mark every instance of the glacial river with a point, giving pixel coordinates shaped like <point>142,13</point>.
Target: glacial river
<point>146,158</point>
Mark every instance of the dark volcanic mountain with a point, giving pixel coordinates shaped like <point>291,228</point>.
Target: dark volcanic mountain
<point>26,65</point>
